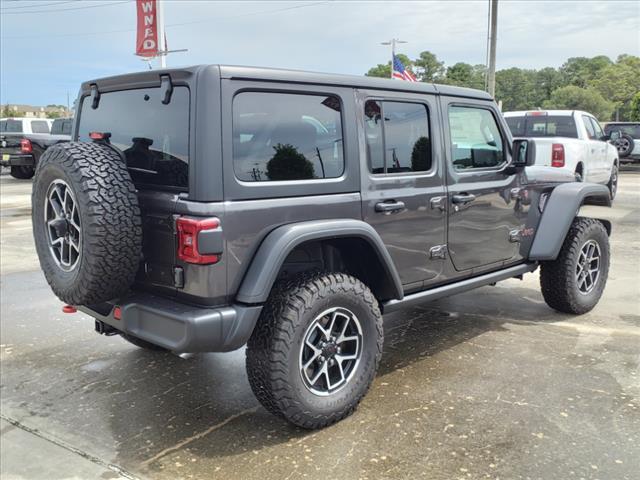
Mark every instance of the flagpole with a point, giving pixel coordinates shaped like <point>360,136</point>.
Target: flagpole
<point>393,42</point>
<point>162,50</point>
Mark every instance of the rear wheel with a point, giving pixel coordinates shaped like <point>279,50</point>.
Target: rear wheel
<point>624,144</point>
<point>574,282</point>
<point>22,172</point>
<point>316,348</point>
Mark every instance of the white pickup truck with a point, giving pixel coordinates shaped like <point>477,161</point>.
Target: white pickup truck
<point>570,140</point>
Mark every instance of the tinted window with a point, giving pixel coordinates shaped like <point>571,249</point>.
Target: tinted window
<point>282,136</point>
<point>154,137</point>
<point>400,143</point>
<point>11,126</point>
<point>542,126</point>
<point>39,126</point>
<point>475,138</point>
<point>61,126</point>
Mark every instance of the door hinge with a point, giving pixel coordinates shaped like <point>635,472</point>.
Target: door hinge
<point>515,236</point>
<point>439,202</point>
<point>438,251</point>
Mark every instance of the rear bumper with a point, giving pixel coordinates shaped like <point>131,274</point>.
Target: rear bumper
<point>15,160</point>
<point>179,327</point>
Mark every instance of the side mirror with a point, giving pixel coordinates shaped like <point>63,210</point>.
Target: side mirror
<point>615,135</point>
<point>523,153</point>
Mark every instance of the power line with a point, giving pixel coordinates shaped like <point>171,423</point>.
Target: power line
<point>67,9</point>
<point>38,5</point>
<point>109,32</point>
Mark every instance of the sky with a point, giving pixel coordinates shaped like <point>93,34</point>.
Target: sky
<point>48,47</point>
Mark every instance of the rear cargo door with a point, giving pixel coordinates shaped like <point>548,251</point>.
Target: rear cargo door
<point>154,137</point>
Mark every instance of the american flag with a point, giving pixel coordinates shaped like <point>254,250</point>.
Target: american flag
<point>400,72</point>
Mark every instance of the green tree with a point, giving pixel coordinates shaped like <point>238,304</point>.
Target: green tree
<point>421,155</point>
<point>618,83</point>
<point>580,70</point>
<point>546,81</point>
<point>576,98</point>
<point>465,75</point>
<point>289,164</point>
<point>54,114</point>
<point>515,87</point>
<point>384,70</point>
<point>428,68</point>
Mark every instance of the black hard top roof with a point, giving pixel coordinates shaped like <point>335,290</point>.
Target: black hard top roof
<point>295,76</point>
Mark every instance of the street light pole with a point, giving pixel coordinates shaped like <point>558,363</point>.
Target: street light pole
<point>491,74</point>
<point>393,42</point>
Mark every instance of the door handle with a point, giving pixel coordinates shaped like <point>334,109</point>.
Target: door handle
<point>390,206</point>
<point>463,198</point>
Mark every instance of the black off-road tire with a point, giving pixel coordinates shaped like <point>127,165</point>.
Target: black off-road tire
<point>558,277</point>
<point>613,181</point>
<point>625,145</point>
<point>273,350</point>
<point>138,342</point>
<point>22,172</point>
<point>111,227</point>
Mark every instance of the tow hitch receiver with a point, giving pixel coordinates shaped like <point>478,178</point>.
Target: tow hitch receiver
<point>105,329</point>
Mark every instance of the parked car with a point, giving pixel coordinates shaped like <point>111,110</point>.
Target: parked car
<point>570,140</point>
<point>627,140</point>
<point>21,150</point>
<point>25,125</point>
<point>201,209</point>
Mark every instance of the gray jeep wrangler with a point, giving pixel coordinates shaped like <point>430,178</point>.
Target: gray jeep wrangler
<point>205,208</point>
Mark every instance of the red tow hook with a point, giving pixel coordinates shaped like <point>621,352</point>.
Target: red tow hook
<point>69,309</point>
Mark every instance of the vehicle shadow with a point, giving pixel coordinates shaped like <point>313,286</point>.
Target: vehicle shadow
<point>204,403</point>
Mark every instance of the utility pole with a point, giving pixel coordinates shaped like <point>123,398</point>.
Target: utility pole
<point>162,44</point>
<point>393,42</point>
<point>493,32</point>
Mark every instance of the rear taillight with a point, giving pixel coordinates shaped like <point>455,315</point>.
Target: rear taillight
<point>25,146</point>
<point>557,155</point>
<point>188,230</point>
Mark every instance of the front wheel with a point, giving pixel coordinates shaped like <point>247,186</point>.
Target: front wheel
<point>316,349</point>
<point>574,282</point>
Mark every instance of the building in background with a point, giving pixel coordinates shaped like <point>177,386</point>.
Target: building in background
<point>30,111</point>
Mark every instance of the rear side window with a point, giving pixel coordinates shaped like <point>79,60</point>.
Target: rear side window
<point>11,126</point>
<point>285,136</point>
<point>475,139</point>
<point>397,135</point>
<point>39,126</point>
<point>153,136</point>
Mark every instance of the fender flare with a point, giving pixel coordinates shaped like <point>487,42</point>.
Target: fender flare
<point>559,211</point>
<point>261,275</point>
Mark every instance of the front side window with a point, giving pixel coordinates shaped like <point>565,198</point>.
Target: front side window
<point>591,133</point>
<point>597,128</point>
<point>39,126</point>
<point>475,139</point>
<point>154,137</point>
<point>287,136</point>
<point>397,135</point>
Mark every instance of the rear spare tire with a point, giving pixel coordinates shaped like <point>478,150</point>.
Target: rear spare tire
<point>86,222</point>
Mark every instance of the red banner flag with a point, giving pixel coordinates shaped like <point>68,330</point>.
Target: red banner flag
<point>147,38</point>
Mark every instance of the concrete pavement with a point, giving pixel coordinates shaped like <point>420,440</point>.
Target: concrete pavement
<point>488,384</point>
